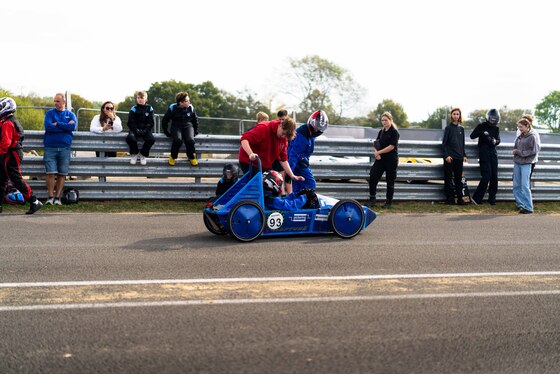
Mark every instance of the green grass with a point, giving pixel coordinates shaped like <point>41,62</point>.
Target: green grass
<point>159,206</point>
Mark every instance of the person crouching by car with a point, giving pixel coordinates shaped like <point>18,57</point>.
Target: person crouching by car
<point>11,154</point>
<point>230,174</point>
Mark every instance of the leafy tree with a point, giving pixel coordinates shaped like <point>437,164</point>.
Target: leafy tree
<point>548,111</point>
<point>434,120</point>
<point>399,116</point>
<point>320,84</point>
<point>84,116</point>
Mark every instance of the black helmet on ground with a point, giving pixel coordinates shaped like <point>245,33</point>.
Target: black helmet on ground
<point>70,196</point>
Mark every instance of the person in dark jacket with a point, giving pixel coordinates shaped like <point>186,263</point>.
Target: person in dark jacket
<point>230,174</point>
<point>140,125</point>
<point>453,147</point>
<point>386,160</point>
<point>488,134</point>
<point>184,127</point>
<point>11,154</point>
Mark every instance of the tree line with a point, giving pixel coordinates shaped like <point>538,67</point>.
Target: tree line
<point>311,83</point>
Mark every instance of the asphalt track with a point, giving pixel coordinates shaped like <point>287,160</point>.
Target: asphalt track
<point>158,293</point>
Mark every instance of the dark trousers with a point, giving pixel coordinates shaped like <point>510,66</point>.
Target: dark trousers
<point>387,166</point>
<point>10,170</point>
<point>452,174</point>
<point>132,141</point>
<point>488,179</point>
<point>180,136</point>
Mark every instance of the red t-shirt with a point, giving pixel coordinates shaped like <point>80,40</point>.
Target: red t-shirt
<point>265,143</point>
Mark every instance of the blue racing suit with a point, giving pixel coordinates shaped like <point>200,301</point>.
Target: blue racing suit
<point>288,202</point>
<point>299,151</point>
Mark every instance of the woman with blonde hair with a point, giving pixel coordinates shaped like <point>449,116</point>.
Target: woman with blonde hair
<point>386,160</point>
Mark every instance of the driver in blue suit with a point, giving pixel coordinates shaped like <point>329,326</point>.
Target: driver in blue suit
<point>272,185</point>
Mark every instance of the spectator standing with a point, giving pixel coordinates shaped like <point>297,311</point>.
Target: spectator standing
<point>488,134</point>
<point>453,147</point>
<point>184,127</point>
<point>525,150</point>
<point>301,148</point>
<point>261,117</point>
<point>11,155</point>
<point>106,122</point>
<point>386,160</point>
<point>140,125</point>
<point>529,118</point>
<point>287,185</point>
<point>59,126</point>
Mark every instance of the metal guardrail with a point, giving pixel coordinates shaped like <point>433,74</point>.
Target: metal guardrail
<point>158,180</point>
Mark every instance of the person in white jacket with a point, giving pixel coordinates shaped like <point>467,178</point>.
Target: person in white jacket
<point>106,121</point>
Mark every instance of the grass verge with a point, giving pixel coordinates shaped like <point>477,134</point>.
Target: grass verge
<point>168,206</point>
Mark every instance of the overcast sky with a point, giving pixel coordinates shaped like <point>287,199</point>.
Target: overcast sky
<point>474,54</point>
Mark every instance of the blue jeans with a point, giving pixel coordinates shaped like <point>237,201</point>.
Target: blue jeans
<point>522,187</point>
<point>57,160</point>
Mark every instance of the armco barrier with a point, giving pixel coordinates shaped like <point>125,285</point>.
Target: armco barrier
<point>345,177</point>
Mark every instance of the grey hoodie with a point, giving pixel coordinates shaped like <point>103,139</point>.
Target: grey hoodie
<point>527,148</point>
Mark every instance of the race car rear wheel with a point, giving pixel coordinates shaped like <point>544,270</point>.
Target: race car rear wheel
<point>347,218</point>
<point>246,221</point>
<point>212,226</point>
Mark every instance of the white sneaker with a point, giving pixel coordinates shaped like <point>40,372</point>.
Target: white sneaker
<point>50,201</point>
<point>143,160</point>
<point>57,201</point>
<point>133,159</point>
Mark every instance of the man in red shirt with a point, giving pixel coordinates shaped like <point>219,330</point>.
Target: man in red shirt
<point>269,142</point>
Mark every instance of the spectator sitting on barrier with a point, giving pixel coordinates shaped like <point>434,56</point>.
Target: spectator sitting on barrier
<point>184,127</point>
<point>272,185</point>
<point>140,125</point>
<point>229,177</point>
<point>60,124</point>
<point>106,121</point>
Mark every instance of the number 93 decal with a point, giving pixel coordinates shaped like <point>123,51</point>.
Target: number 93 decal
<point>275,220</point>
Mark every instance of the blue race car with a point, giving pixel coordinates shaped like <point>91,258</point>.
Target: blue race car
<point>241,213</point>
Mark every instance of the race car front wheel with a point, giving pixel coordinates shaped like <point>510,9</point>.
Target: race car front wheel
<point>347,218</point>
<point>246,221</point>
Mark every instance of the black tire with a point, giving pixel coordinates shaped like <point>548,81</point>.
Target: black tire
<point>346,218</point>
<point>212,226</point>
<point>246,221</point>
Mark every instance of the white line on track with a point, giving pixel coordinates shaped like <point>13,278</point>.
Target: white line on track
<point>276,279</point>
<point>273,300</point>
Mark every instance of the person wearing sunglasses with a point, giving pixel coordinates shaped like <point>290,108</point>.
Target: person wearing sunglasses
<point>106,121</point>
